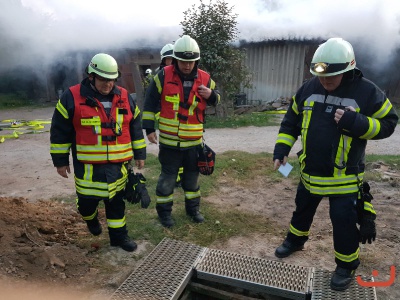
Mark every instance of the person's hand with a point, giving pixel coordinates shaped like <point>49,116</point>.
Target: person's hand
<point>152,137</point>
<point>278,162</point>
<point>204,91</point>
<point>340,112</point>
<point>63,171</point>
<point>139,164</point>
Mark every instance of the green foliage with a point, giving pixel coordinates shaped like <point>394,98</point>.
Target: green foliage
<point>213,26</point>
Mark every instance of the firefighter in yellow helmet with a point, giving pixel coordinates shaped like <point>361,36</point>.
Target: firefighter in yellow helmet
<point>100,124</point>
<point>180,92</point>
<point>335,113</point>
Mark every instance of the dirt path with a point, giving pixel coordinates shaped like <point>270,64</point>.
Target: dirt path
<point>27,169</point>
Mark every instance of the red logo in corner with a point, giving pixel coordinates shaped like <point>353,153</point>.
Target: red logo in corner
<point>375,273</point>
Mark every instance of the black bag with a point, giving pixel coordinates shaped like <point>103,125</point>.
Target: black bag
<point>136,191</point>
<point>205,160</point>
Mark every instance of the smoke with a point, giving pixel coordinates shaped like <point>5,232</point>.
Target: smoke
<point>44,30</point>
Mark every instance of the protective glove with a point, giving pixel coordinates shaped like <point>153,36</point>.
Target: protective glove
<point>131,191</point>
<point>367,228</point>
<point>142,191</point>
<point>136,191</point>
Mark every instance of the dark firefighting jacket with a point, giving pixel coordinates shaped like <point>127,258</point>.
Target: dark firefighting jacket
<point>181,116</point>
<point>101,143</point>
<point>332,159</point>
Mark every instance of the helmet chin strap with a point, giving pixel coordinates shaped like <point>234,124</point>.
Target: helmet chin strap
<point>93,84</point>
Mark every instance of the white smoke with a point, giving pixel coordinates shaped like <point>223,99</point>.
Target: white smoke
<point>48,28</point>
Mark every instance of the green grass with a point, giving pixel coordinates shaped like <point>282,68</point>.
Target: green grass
<point>235,169</point>
<point>14,100</point>
<point>219,225</point>
<point>253,119</point>
<point>20,100</point>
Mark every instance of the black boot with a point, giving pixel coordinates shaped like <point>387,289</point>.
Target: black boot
<point>197,217</point>
<point>192,210</point>
<point>287,248</point>
<point>341,279</point>
<point>94,226</point>
<point>164,214</point>
<point>125,243</point>
<point>166,221</point>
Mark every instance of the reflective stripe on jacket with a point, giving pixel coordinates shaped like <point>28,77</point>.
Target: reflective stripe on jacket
<point>101,138</point>
<point>181,122</point>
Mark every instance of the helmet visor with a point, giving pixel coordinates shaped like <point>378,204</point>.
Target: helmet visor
<point>167,53</point>
<point>326,68</point>
<point>187,55</point>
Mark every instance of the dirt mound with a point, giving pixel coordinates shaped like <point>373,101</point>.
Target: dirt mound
<point>46,243</point>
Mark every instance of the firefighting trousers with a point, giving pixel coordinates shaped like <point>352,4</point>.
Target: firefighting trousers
<point>115,214</point>
<point>171,160</point>
<point>343,215</point>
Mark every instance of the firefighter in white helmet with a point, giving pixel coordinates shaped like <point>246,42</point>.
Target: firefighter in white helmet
<point>100,124</point>
<point>166,54</point>
<point>180,93</point>
<point>335,113</point>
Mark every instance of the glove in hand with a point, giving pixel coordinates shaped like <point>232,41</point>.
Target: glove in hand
<point>135,190</point>
<point>368,229</point>
<point>131,193</point>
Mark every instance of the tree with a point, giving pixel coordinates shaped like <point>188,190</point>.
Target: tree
<point>213,26</point>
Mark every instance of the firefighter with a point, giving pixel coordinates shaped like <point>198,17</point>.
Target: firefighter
<point>101,125</point>
<point>180,93</point>
<point>166,56</point>
<point>166,60</point>
<point>335,113</point>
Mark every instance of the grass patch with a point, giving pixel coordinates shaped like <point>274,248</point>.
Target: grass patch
<point>234,168</point>
<point>14,100</point>
<point>257,119</point>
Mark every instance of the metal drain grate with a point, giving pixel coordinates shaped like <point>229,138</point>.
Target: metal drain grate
<point>163,274</point>
<point>256,274</point>
<point>322,290</point>
<point>166,271</point>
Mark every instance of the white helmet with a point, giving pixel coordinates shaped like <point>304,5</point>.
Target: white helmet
<point>167,51</point>
<point>186,49</point>
<point>333,57</point>
<point>104,65</point>
<point>148,71</point>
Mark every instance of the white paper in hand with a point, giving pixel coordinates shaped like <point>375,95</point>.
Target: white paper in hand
<point>285,169</point>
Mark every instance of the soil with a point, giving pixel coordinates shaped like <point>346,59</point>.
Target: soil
<point>46,251</point>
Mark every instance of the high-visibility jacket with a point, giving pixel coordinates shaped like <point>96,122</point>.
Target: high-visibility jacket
<point>180,120</point>
<point>332,155</point>
<point>105,177</point>
<point>101,138</point>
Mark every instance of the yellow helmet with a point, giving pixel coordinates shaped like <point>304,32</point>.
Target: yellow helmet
<point>186,49</point>
<point>104,65</point>
<point>335,56</point>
